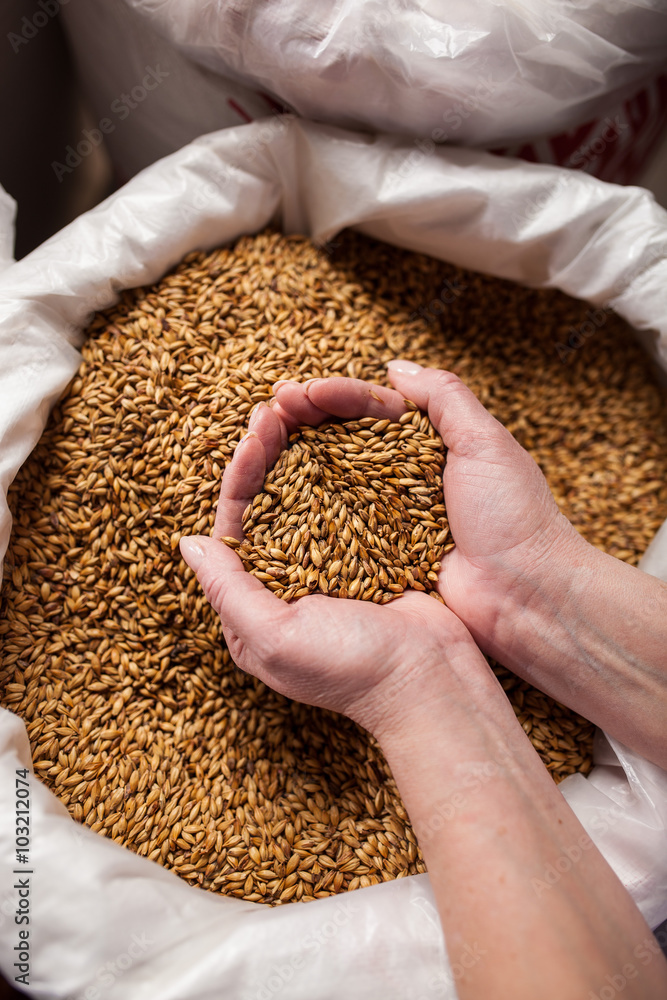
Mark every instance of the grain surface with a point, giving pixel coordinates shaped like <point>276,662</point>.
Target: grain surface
<point>137,717</point>
<point>352,510</point>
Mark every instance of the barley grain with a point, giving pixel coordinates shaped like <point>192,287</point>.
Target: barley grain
<point>137,717</point>
<point>380,524</point>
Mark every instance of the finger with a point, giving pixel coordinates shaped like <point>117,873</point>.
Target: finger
<point>313,401</point>
<point>352,398</point>
<point>466,427</point>
<point>265,423</point>
<point>287,424</point>
<point>242,480</point>
<point>295,405</point>
<point>241,600</point>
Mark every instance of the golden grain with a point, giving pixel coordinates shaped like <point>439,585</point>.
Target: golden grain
<point>138,719</point>
<point>357,538</point>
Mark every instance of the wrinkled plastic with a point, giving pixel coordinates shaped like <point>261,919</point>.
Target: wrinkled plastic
<point>470,72</point>
<point>655,557</point>
<point>7,217</point>
<point>623,806</point>
<point>404,65</point>
<point>97,907</point>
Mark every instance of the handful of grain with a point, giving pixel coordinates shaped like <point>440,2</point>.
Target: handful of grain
<point>351,510</point>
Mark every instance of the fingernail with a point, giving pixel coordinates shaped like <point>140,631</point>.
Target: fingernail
<point>192,551</point>
<point>310,381</point>
<point>277,385</point>
<point>254,414</point>
<point>250,434</point>
<point>403,367</point>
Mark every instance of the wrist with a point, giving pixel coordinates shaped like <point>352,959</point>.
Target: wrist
<point>458,709</point>
<point>436,680</point>
<point>592,634</point>
<point>539,596</point>
<point>457,765</point>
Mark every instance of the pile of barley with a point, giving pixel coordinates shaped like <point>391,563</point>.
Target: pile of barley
<point>137,718</point>
<point>351,510</point>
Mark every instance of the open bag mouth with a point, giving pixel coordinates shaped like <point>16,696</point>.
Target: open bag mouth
<point>470,209</point>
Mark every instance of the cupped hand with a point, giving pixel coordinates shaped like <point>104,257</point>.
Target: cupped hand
<point>374,663</point>
<point>510,536</point>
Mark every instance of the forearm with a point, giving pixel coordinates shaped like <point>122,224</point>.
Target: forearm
<point>593,634</point>
<point>528,905</point>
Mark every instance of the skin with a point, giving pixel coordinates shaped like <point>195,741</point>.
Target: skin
<point>586,628</point>
<point>528,905</point>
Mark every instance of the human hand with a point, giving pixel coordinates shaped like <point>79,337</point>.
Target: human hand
<point>510,536</point>
<point>410,672</point>
<point>376,664</point>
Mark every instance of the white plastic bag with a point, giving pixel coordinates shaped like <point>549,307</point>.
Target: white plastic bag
<point>106,920</point>
<point>7,216</point>
<point>401,66</point>
<point>481,73</point>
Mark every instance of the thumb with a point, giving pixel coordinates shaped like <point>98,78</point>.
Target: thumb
<point>241,600</point>
<point>466,427</point>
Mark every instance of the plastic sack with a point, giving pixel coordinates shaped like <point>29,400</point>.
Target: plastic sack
<point>7,217</point>
<point>481,73</point>
<point>106,923</point>
<point>398,66</point>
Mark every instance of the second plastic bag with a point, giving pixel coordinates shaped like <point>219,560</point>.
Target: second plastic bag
<point>561,82</point>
